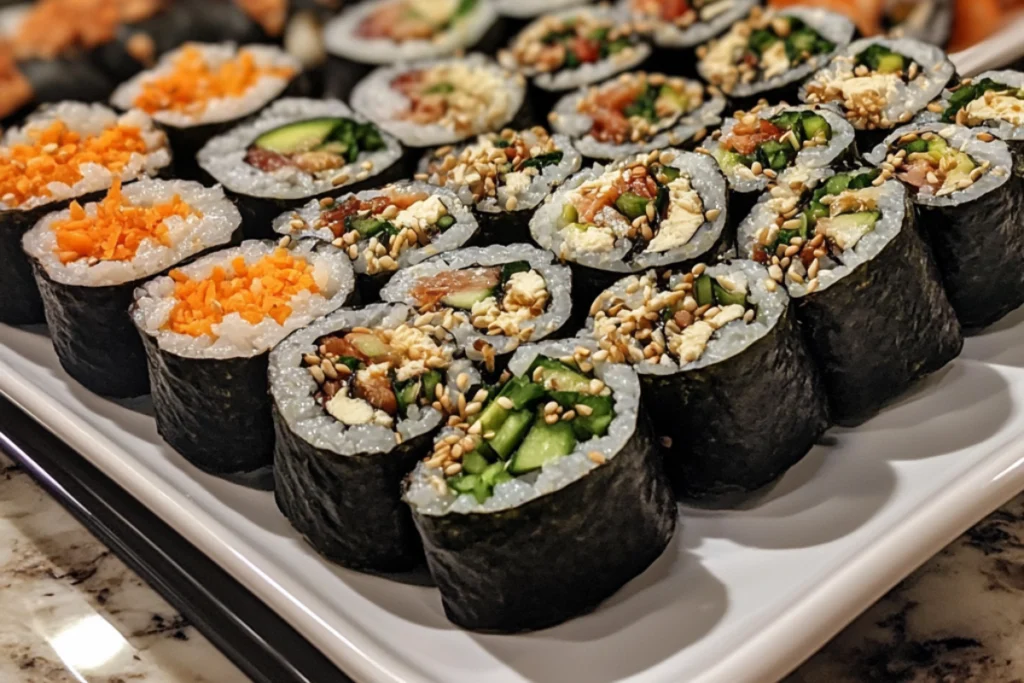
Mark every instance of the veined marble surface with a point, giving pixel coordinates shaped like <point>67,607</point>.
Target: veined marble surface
<point>71,612</point>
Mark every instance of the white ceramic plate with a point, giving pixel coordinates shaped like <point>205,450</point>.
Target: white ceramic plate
<point>740,595</point>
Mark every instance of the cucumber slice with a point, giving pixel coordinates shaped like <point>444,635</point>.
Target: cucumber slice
<point>463,483</point>
<point>786,120</point>
<point>837,184</point>
<point>814,126</point>
<point>407,393</point>
<point>726,298</point>
<point>631,205</point>
<point>511,432</point>
<point>543,442</point>
<point>862,180</point>
<point>297,137</point>
<point>569,215</point>
<point>558,376</point>
<point>370,345</point>
<point>703,292</point>
<point>890,63</point>
<point>510,269</point>
<point>474,463</point>
<point>522,392</point>
<point>481,491</point>
<point>445,222</point>
<point>491,474</point>
<point>366,227</point>
<point>466,298</point>
<point>431,379</point>
<point>587,426</point>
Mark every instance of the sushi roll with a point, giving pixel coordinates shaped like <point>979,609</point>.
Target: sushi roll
<point>294,151</point>
<point>993,102</point>
<point>88,260</point>
<point>440,102</point>
<point>492,299</point>
<point>770,52</point>
<point>753,147</point>
<point>384,230</point>
<point>202,89</point>
<point>649,211</point>
<point>504,177</point>
<point>637,112</point>
<point>63,152</point>
<point>566,50</point>
<point>357,399</point>
<point>25,82</point>
<point>867,293</point>
<point>880,83</point>
<point>734,394</point>
<point>678,27</point>
<point>547,499</point>
<point>208,328</point>
<point>970,207</point>
<point>517,14</point>
<point>381,33</point>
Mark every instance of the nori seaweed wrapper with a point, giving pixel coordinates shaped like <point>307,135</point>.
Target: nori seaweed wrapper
<point>880,328</point>
<point>21,303</point>
<point>216,411</point>
<point>341,489</point>
<point>976,234</point>
<point>556,556</point>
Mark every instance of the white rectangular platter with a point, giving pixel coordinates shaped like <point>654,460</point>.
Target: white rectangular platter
<point>740,595</point>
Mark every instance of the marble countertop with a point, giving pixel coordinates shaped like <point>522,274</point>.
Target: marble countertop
<point>70,611</point>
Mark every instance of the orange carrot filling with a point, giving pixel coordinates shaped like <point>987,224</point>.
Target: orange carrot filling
<point>118,229</point>
<point>192,83</point>
<point>255,292</point>
<point>55,155</point>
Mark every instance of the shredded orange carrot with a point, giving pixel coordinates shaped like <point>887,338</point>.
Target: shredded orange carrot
<point>56,154</point>
<point>192,83</point>
<point>117,230</point>
<point>254,291</point>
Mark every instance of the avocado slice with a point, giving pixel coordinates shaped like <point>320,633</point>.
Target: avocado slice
<point>301,136</point>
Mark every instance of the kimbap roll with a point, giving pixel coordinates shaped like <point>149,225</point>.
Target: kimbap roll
<point>440,102</point>
<point>358,397</point>
<point>516,14</point>
<point>572,48</point>
<point>384,230</point>
<point>970,207</point>
<point>89,259</point>
<point>770,52</point>
<point>202,89</point>
<point>880,83</point>
<point>492,299</point>
<point>63,152</point>
<point>504,177</point>
<point>547,498</point>
<point>637,112</point>
<point>652,210</point>
<point>208,328</point>
<point>680,26</point>
<point>992,101</point>
<point>867,292</point>
<point>389,32</point>
<point>753,147</point>
<point>295,150</point>
<point>734,394</point>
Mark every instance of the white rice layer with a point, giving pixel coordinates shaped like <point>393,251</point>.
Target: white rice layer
<point>903,99</point>
<point>293,388</point>
<point>223,157</point>
<point>90,120</point>
<point>217,109</point>
<point>557,280</point>
<point>705,178</point>
<point>742,179</point>
<point>540,187</point>
<point>341,37</point>
<point>237,338</point>
<point>566,118</point>
<point>216,220</point>
<point>892,205</point>
<point>454,237</point>
<point>966,140</point>
<point>426,498</point>
<point>378,101</point>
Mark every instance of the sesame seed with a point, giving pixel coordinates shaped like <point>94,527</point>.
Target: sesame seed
<point>505,402</point>
<point>551,418</point>
<point>462,381</point>
<point>339,179</point>
<point>317,373</point>
<point>712,214</point>
<point>597,457</point>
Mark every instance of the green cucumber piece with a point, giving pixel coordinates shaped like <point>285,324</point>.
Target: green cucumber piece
<point>814,125</point>
<point>786,120</point>
<point>837,184</point>
<point>407,393</point>
<point>522,392</point>
<point>511,432</point>
<point>760,40</point>
<point>466,298</point>
<point>493,471</point>
<point>890,64</point>
<point>366,227</point>
<point>431,379</point>
<point>368,344</point>
<point>442,88</point>
<point>474,463</point>
<point>445,222</point>
<point>703,291</point>
<point>918,146</point>
<point>510,269</point>
<point>463,483</point>
<point>723,297</point>
<point>569,215</point>
<point>557,376</point>
<point>862,180</point>
<point>543,442</point>
<point>482,490</point>
<point>586,426</point>
<point>631,205</point>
